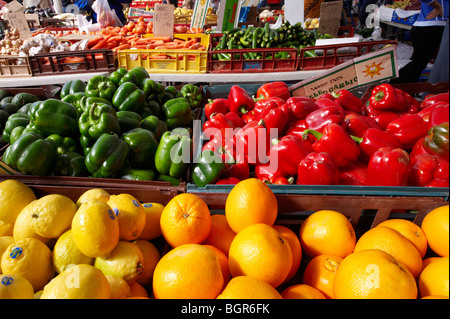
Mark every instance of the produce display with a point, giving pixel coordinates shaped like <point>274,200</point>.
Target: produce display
<point>123,248</point>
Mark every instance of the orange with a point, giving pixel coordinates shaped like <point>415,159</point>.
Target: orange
<point>223,261</point>
<point>152,228</point>
<point>246,287</point>
<point>185,220</point>
<point>302,291</point>
<point>391,241</point>
<point>320,272</point>
<point>327,232</point>
<point>435,297</point>
<point>261,252</point>
<point>221,234</point>
<point>373,274</point>
<point>411,231</point>
<point>188,271</point>
<point>429,260</point>
<point>434,279</point>
<point>137,291</point>
<point>296,248</point>
<point>435,225</point>
<point>250,202</point>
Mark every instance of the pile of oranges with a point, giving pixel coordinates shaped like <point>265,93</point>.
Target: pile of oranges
<point>121,248</point>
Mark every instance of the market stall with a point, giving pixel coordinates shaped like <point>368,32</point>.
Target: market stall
<point>133,153</point>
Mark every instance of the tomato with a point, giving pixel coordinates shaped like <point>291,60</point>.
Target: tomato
<point>140,29</point>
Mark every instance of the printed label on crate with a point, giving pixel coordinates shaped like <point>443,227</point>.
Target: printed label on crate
<point>134,12</point>
<point>364,70</point>
<point>199,15</point>
<point>252,66</point>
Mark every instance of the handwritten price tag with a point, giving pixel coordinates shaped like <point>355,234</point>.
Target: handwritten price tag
<point>163,20</point>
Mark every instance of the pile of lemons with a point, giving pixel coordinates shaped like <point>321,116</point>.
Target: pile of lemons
<point>96,247</point>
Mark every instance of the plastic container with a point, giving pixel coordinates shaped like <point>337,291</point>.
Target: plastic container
<point>14,66</point>
<point>329,56</point>
<point>144,4</point>
<point>187,61</point>
<point>101,60</point>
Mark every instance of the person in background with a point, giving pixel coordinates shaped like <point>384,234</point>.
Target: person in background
<point>117,6</point>
<point>426,35</point>
<point>439,72</point>
<point>86,5</point>
<point>65,3</point>
<point>174,2</point>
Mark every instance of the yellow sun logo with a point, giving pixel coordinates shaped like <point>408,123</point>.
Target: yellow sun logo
<point>372,70</point>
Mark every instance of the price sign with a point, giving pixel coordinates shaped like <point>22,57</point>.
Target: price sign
<point>228,12</point>
<point>163,20</point>
<point>200,12</point>
<point>18,21</point>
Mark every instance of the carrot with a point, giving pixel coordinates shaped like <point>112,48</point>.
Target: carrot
<point>111,45</point>
<point>116,38</point>
<point>122,47</point>
<point>102,43</point>
<point>93,41</point>
<point>196,46</point>
<point>189,43</point>
<point>164,38</point>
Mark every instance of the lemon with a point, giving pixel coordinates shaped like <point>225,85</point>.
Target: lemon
<point>66,252</point>
<point>30,258</point>
<point>78,282</point>
<point>52,215</point>
<point>119,287</point>
<point>14,196</point>
<point>152,228</point>
<point>151,257</point>
<point>130,213</point>
<point>126,261</point>
<point>38,294</point>
<point>5,241</point>
<point>94,193</point>
<point>15,287</point>
<point>24,227</point>
<point>95,228</point>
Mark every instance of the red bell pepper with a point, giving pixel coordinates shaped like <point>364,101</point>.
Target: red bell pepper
<point>373,139</point>
<point>439,115</point>
<point>260,110</point>
<point>223,148</point>
<point>301,106</point>
<point>337,142</point>
<point>325,103</point>
<point>287,153</point>
<point>387,97</point>
<point>235,118</point>
<point>219,126</point>
<point>239,170</point>
<point>239,100</point>
<point>283,181</point>
<point>328,96</point>
<point>418,148</point>
<point>321,118</point>
<point>436,141</point>
<point>428,170</point>
<point>408,129</point>
<point>356,124</point>
<point>267,173</point>
<point>425,113</point>
<point>228,181</point>
<point>297,128</point>
<point>433,99</point>
<point>318,169</point>
<point>353,174</point>
<point>218,105</point>
<point>276,119</point>
<point>273,89</point>
<point>412,107</point>
<point>388,167</point>
<point>383,118</point>
<point>252,143</point>
<point>348,101</point>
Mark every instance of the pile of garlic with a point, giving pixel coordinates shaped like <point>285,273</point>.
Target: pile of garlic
<point>11,44</point>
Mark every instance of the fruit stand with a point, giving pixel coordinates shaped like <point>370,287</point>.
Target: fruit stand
<point>129,158</point>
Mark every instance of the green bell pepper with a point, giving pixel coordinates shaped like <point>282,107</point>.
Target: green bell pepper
<point>141,74</point>
<point>138,174</point>
<point>70,164</point>
<point>142,145</point>
<point>208,170</point>
<point>166,178</point>
<point>153,90</point>
<point>178,112</point>
<point>100,86</point>
<point>31,154</point>
<point>129,77</point>
<point>193,94</point>
<point>173,154</point>
<point>14,120</point>
<point>18,131</point>
<point>75,100</point>
<point>86,143</point>
<point>155,125</point>
<point>107,156</point>
<point>54,117</point>
<point>63,144</point>
<point>117,75</point>
<point>436,140</point>
<point>128,120</point>
<point>71,87</point>
<point>128,97</point>
<point>98,119</point>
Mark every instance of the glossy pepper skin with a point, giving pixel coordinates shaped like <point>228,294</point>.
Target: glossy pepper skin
<point>356,124</point>
<point>336,142</point>
<point>70,163</point>
<point>219,126</point>
<point>388,167</point>
<point>63,144</point>
<point>215,106</point>
<point>428,170</point>
<point>178,112</point>
<point>438,115</point>
<point>128,97</point>
<point>14,120</point>
<point>153,90</point>
<point>31,154</point>
<point>348,101</point>
<point>252,143</point>
<point>208,170</point>
<point>128,120</point>
<point>318,169</point>
<point>107,156</point>
<point>235,118</point>
<point>75,100</point>
<point>373,139</point>
<point>100,86</point>
<point>141,74</point>
<point>117,75</point>
<point>287,153</point>
<point>239,100</point>
<point>276,119</point>
<point>318,120</point>
<point>173,153</point>
<point>85,102</point>
<point>267,173</point>
<point>192,94</point>
<point>273,89</point>
<point>262,107</point>
<point>142,145</point>
<point>353,174</point>
<point>382,117</point>
<point>137,174</point>
<point>387,97</point>
<point>301,106</point>
<point>408,129</point>
<point>98,119</point>
<point>155,125</point>
<point>72,87</point>
<point>436,141</point>
<point>431,100</point>
<point>55,117</point>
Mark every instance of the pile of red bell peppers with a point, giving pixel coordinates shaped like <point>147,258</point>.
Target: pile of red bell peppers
<point>392,140</point>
